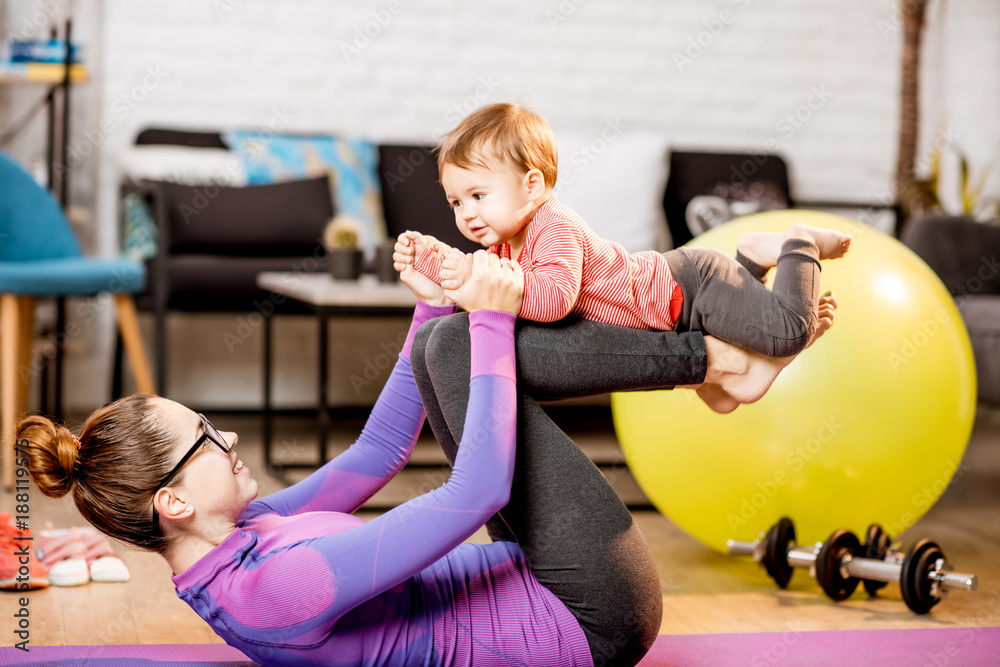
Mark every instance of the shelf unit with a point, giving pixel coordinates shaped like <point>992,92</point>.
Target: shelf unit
<point>59,77</point>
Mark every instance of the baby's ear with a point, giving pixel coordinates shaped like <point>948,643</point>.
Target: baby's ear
<point>534,181</point>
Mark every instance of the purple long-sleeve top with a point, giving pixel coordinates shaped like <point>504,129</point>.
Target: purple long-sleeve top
<point>301,581</point>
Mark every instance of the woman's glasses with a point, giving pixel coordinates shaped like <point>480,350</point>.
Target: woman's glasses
<point>210,433</point>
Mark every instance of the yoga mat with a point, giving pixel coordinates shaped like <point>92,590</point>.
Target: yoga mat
<point>129,655</point>
<point>945,647</point>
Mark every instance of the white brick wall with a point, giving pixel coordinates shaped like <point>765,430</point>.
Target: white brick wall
<point>230,63</point>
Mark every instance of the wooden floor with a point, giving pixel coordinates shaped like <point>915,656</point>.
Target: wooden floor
<point>703,591</point>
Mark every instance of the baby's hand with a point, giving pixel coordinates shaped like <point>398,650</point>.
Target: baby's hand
<point>455,269</point>
<point>423,287</point>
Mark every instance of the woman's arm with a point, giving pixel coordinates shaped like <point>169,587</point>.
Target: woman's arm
<point>336,573</point>
<point>347,481</point>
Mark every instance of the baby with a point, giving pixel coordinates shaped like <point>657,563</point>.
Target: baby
<point>498,168</point>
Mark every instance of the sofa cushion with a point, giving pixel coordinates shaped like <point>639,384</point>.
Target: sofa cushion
<point>614,180</point>
<point>182,164</point>
<point>350,161</point>
<point>265,220</point>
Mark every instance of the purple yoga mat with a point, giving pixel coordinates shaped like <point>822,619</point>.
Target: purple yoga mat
<point>130,655</point>
<point>947,647</point>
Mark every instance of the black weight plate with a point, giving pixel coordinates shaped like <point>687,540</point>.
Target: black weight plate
<point>836,586</point>
<point>877,543</point>
<point>779,538</point>
<point>913,580</point>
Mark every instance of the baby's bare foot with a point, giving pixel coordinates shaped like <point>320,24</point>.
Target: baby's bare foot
<point>761,372</point>
<point>831,243</point>
<point>825,314</point>
<point>761,247</point>
<point>716,398</point>
<point>744,375</point>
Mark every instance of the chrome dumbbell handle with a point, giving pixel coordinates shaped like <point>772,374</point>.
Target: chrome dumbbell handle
<point>869,568</point>
<point>947,579</point>
<point>889,571</point>
<point>803,556</point>
<point>745,548</point>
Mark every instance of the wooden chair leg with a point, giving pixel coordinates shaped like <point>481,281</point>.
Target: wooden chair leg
<point>9,392</point>
<point>128,324</point>
<point>26,337</point>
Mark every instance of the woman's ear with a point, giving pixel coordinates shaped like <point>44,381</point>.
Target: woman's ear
<point>172,506</point>
<point>533,183</point>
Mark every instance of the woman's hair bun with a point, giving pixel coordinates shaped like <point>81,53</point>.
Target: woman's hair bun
<point>51,454</point>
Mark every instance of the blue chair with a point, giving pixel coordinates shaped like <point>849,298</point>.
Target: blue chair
<point>40,257</point>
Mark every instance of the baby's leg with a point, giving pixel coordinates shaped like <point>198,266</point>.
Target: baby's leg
<point>762,249</point>
<point>735,376</point>
<point>758,271</point>
<point>722,299</point>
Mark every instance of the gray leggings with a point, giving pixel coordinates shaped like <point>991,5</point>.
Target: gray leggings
<point>724,297</point>
<point>577,536</point>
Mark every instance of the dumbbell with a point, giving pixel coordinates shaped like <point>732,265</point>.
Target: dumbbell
<point>879,546</point>
<point>777,552</point>
<point>923,574</point>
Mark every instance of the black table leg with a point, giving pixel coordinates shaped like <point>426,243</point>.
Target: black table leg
<point>117,390</point>
<point>324,413</point>
<point>57,402</point>
<point>267,393</point>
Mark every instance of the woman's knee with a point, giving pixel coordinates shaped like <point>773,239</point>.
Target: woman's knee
<point>446,339</point>
<point>633,617</point>
<point>418,352</point>
<point>427,346</point>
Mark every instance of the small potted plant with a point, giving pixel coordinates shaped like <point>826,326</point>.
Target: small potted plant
<point>341,240</point>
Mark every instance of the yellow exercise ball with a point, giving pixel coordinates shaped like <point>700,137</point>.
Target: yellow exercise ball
<point>866,426</point>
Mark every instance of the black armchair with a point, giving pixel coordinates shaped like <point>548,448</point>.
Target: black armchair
<point>734,177</point>
<point>214,240</point>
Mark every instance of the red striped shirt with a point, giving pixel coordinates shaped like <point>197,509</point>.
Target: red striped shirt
<point>570,270</point>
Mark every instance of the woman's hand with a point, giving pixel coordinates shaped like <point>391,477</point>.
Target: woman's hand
<point>423,288</point>
<point>492,284</point>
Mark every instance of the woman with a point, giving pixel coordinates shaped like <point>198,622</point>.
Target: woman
<point>294,578</point>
